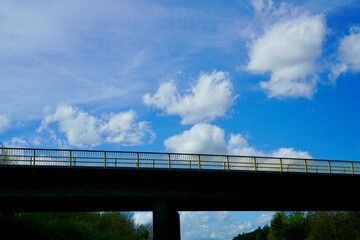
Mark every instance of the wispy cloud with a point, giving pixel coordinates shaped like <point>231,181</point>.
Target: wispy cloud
<point>16,142</point>
<point>4,122</point>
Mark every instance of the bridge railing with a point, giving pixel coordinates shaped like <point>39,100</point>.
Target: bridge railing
<point>119,159</point>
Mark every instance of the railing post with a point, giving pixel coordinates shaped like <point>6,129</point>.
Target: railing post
<point>104,159</point>
<point>329,168</point>
<point>137,161</point>
<point>255,164</point>
<point>70,158</point>
<point>305,166</point>
<point>352,168</point>
<point>199,162</point>
<point>228,167</point>
<point>169,162</point>
<point>34,158</point>
<point>281,166</point>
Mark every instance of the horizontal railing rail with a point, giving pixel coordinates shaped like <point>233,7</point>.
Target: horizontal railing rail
<point>121,159</point>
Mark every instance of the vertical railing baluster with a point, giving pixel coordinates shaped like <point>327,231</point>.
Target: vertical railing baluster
<point>305,166</point>
<point>104,159</point>
<point>137,161</point>
<point>199,162</point>
<point>352,168</point>
<point>255,164</point>
<point>70,158</point>
<point>228,167</point>
<point>329,168</point>
<point>169,162</point>
<point>281,170</point>
<point>34,158</point>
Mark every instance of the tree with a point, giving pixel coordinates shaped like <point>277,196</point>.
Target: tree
<point>334,225</point>
<point>258,234</point>
<point>296,226</point>
<point>288,226</point>
<point>276,231</point>
<point>71,226</point>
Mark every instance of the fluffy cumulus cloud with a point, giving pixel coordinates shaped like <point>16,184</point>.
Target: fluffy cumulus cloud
<point>4,123</point>
<point>238,145</point>
<point>290,153</point>
<point>348,54</point>
<point>82,129</point>
<point>288,50</point>
<point>201,138</point>
<point>209,98</point>
<point>207,138</point>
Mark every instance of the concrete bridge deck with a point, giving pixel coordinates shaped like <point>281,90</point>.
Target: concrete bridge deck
<point>69,180</point>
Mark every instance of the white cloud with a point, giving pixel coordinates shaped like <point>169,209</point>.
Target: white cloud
<point>258,5</point>
<point>225,216</point>
<point>206,138</point>
<point>82,129</point>
<point>4,123</point>
<point>348,54</point>
<point>79,127</point>
<point>290,153</point>
<point>143,217</point>
<point>198,218</point>
<point>201,138</point>
<point>215,225</point>
<point>16,142</point>
<point>238,145</point>
<point>261,6</point>
<point>288,50</point>
<point>209,98</point>
<point>264,218</point>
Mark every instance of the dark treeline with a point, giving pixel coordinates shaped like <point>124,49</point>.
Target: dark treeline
<point>76,226</point>
<point>308,226</point>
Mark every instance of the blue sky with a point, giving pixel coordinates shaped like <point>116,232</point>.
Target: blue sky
<point>253,77</point>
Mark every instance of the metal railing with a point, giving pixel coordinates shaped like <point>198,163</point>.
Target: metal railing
<point>118,159</point>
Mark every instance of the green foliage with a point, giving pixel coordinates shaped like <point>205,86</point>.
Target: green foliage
<point>334,225</point>
<point>308,226</point>
<point>258,234</point>
<point>72,226</point>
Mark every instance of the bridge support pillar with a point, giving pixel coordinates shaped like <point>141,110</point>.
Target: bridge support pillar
<point>166,222</point>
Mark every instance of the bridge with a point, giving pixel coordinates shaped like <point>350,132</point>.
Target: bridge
<point>165,183</point>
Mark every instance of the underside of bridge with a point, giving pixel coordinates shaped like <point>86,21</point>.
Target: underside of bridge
<point>167,191</point>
